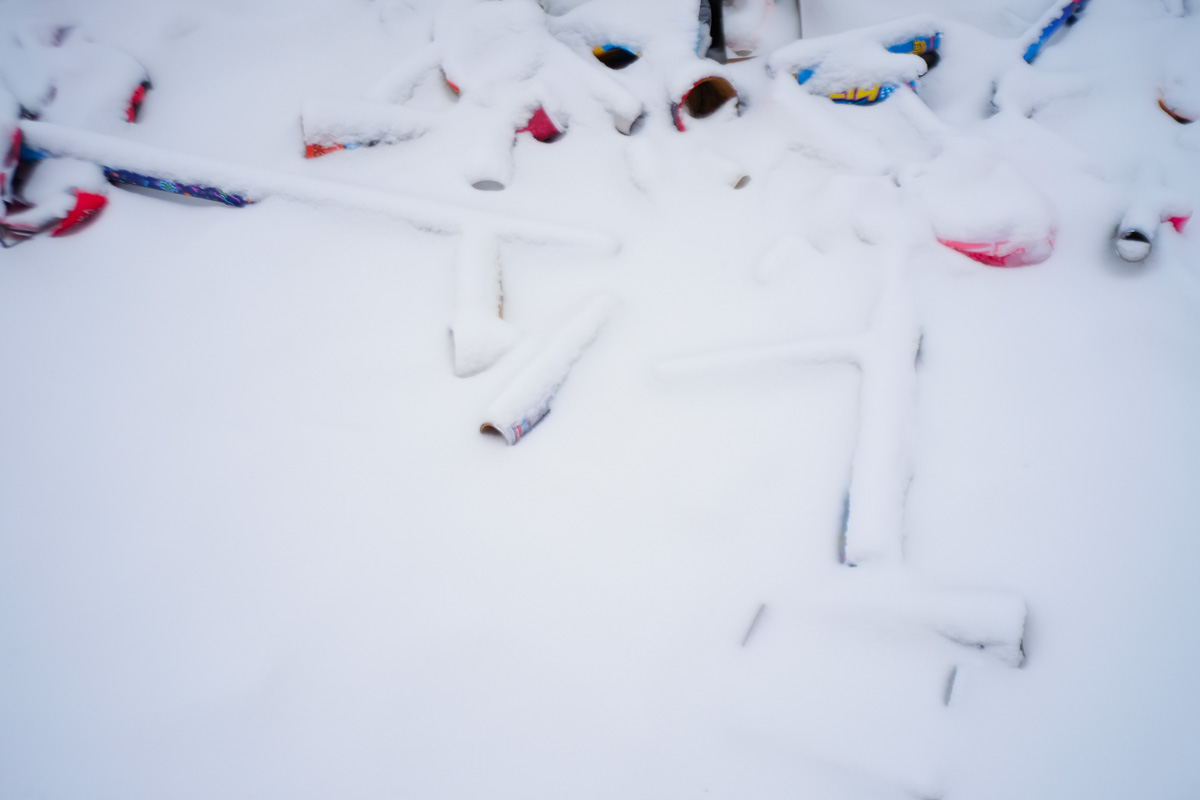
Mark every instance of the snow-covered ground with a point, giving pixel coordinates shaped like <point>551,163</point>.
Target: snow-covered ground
<point>253,543</point>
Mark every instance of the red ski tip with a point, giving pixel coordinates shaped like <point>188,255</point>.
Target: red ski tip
<point>135,102</point>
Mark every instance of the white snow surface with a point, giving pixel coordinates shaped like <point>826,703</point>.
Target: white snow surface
<point>253,544</point>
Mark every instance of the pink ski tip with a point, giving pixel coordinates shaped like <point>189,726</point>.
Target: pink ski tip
<point>1005,253</point>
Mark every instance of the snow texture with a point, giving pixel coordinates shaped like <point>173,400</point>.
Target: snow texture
<point>252,543</point>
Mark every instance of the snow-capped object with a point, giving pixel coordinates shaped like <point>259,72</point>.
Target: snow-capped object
<point>1179,80</point>
<point>665,28</point>
<point>1152,205</point>
<point>61,77</point>
<point>980,206</point>
<point>62,194</point>
<point>95,85</point>
<point>502,56</point>
<point>512,76</point>
<point>330,125</point>
<point>45,184</point>
<point>861,66</point>
<point>874,523</point>
<point>664,34</point>
<point>481,335</point>
<point>526,400</point>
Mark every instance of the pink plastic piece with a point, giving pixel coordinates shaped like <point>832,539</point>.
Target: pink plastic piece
<point>542,126</point>
<point>1178,222</point>
<point>1004,254</point>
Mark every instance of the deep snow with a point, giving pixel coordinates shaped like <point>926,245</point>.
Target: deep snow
<point>252,543</point>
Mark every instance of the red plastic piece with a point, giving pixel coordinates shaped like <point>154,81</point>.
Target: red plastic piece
<point>14,150</point>
<point>87,205</point>
<point>542,126</point>
<point>135,103</point>
<point>1178,222</point>
<point>315,150</point>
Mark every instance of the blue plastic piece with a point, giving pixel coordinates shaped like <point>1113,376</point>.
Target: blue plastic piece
<point>1068,11</point>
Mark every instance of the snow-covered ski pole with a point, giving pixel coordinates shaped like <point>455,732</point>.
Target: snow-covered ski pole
<point>526,399</point>
<point>257,183</point>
